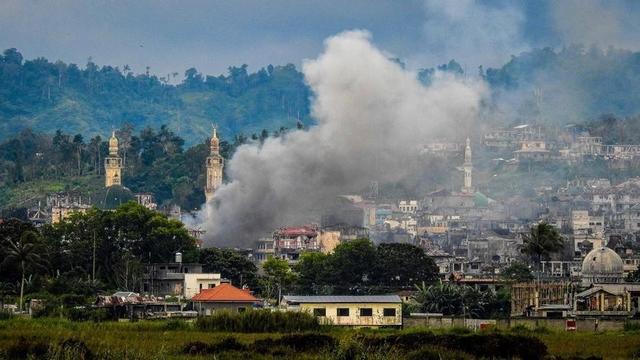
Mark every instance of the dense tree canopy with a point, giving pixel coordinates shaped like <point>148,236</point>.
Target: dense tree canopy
<point>231,265</point>
<point>360,267</point>
<point>154,162</point>
<point>106,247</point>
<point>49,96</point>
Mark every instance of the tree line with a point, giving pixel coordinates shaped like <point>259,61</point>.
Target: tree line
<point>155,161</point>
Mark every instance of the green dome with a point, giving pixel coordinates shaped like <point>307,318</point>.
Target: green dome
<point>480,199</point>
<point>112,197</point>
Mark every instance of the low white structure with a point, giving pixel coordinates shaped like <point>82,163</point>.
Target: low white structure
<point>356,311</point>
<point>195,283</point>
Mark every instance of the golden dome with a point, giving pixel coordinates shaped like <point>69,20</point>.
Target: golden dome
<point>113,144</point>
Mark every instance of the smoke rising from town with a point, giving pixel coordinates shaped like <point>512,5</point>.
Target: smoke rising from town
<point>370,114</point>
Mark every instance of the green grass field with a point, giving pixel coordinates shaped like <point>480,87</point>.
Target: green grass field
<point>63,339</point>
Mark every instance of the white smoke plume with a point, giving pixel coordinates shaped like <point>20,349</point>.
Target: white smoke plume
<point>472,32</point>
<point>371,115</point>
<point>597,23</point>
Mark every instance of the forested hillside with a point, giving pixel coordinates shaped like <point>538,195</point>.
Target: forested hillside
<point>571,85</point>
<point>91,100</point>
<point>564,86</point>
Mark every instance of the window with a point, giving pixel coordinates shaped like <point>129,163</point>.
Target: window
<point>211,286</point>
<point>366,312</point>
<point>389,312</point>
<point>200,287</point>
<point>319,312</point>
<point>343,312</point>
<point>241,309</point>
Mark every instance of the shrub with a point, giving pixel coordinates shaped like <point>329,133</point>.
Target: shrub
<point>175,324</point>
<point>5,315</point>
<point>296,342</point>
<point>201,348</point>
<point>88,314</point>
<point>519,329</point>
<point>70,349</point>
<point>258,321</point>
<point>437,353</point>
<point>631,326</point>
<point>23,348</point>
<point>71,300</point>
<point>482,345</point>
<point>349,348</point>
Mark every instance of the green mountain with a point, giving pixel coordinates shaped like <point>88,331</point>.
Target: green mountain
<point>46,97</point>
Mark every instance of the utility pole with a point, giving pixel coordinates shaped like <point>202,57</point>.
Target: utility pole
<point>93,270</point>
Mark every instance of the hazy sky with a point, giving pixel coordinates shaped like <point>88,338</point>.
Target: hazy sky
<point>172,35</point>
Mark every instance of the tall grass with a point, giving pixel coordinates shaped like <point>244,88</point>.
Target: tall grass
<point>258,321</point>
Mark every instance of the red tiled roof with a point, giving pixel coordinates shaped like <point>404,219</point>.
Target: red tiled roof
<point>225,293</point>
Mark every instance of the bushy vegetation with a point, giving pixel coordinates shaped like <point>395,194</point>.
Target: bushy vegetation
<point>461,300</point>
<point>358,266</point>
<point>258,321</point>
<point>68,263</point>
<point>49,338</point>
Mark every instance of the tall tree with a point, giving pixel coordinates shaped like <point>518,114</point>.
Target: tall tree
<point>278,274</point>
<point>353,265</point>
<point>403,265</point>
<point>541,241</point>
<point>231,265</point>
<point>26,252</point>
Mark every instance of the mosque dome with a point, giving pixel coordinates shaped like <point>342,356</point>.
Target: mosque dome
<point>112,197</point>
<point>602,265</point>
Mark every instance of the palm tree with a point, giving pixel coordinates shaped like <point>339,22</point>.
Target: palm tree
<point>26,252</point>
<point>439,298</point>
<point>541,241</point>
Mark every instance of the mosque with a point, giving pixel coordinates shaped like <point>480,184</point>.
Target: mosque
<point>214,165</point>
<point>606,291</point>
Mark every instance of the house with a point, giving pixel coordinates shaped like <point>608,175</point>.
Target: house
<point>223,297</point>
<point>178,279</point>
<point>356,311</point>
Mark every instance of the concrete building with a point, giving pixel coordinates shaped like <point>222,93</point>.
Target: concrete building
<point>408,206</point>
<point>178,279</point>
<point>290,242</point>
<point>356,311</point>
<point>532,149</point>
<point>147,200</point>
<point>536,299</point>
<point>262,250</point>
<point>63,205</point>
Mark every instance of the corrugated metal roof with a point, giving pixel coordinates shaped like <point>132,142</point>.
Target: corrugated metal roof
<point>343,299</point>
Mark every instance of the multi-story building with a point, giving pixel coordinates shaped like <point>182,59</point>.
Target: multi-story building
<point>178,279</point>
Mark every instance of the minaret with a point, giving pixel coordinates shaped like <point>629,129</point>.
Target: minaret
<point>215,163</point>
<point>468,168</point>
<point>113,164</point>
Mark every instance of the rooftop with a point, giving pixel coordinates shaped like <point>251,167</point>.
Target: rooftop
<point>342,299</point>
<point>225,293</point>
